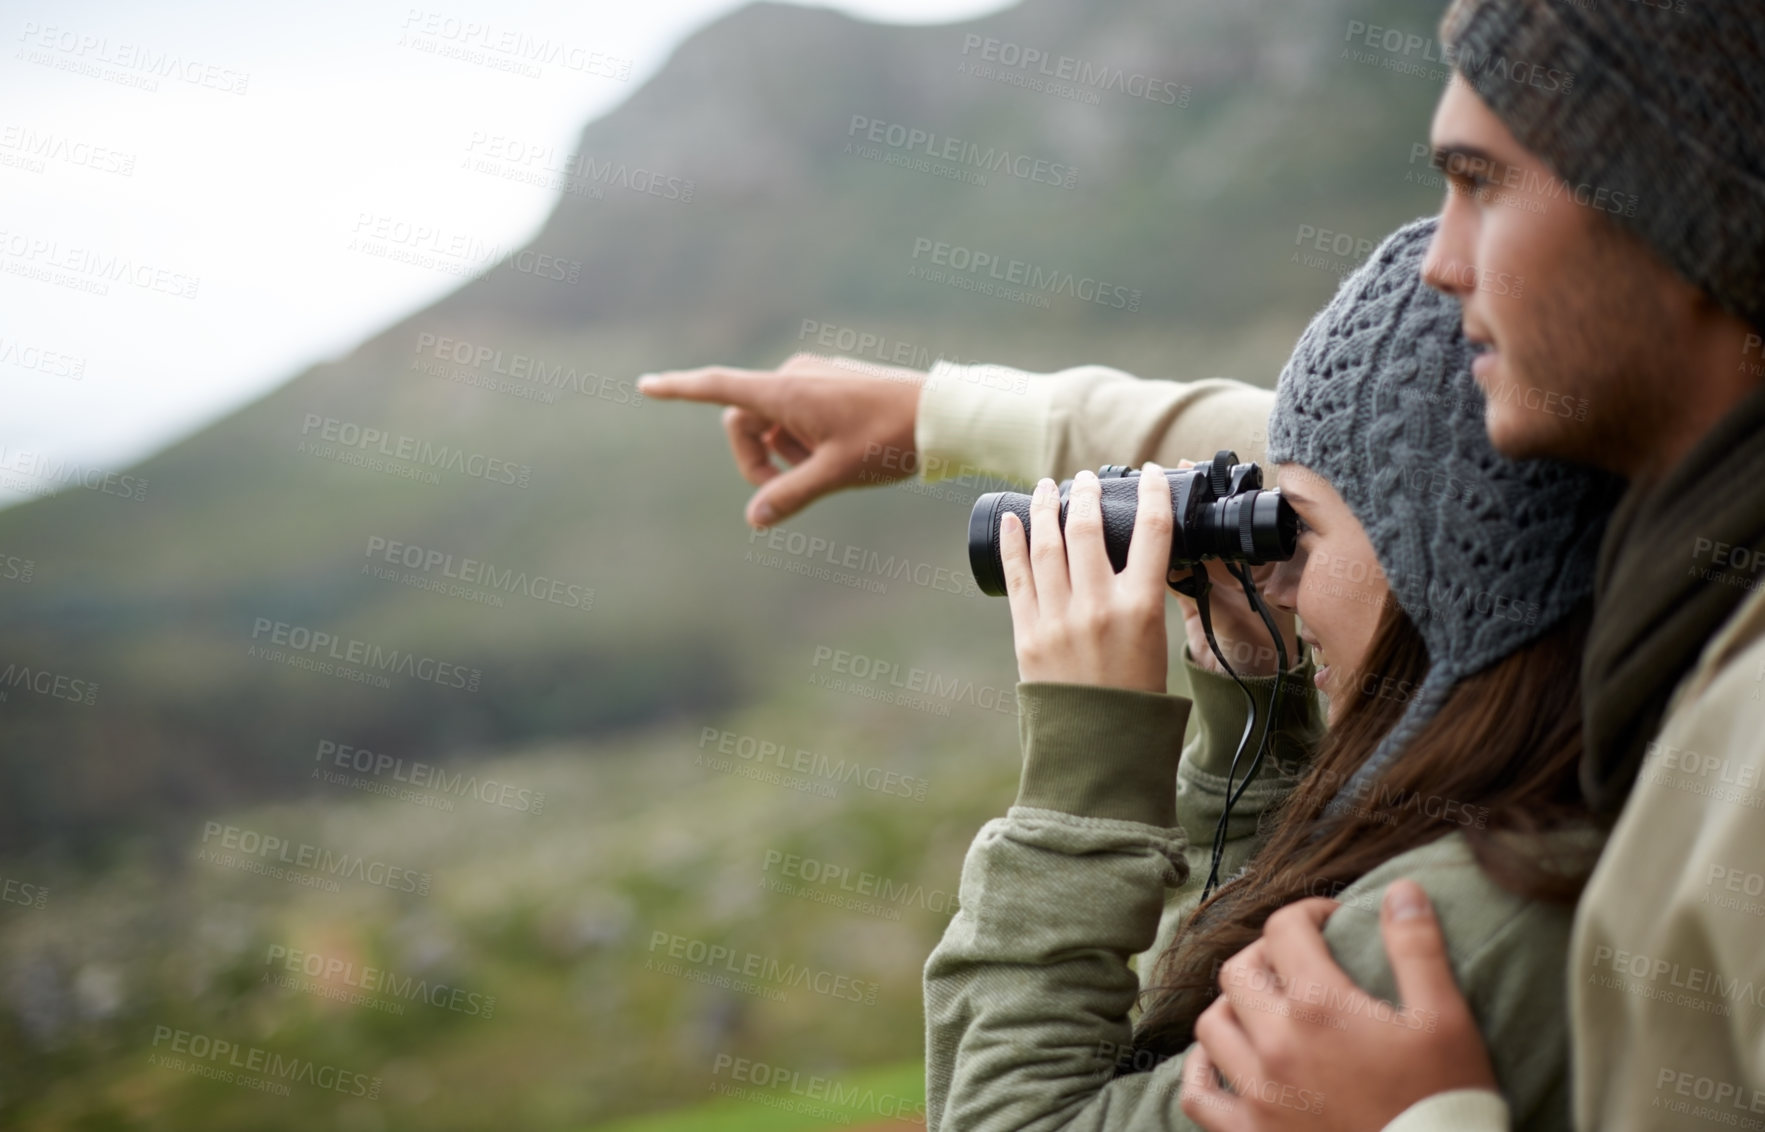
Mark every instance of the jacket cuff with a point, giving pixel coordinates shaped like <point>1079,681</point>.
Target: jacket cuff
<point>981,420</point>
<point>1220,718</point>
<point>1460,1110</point>
<point>1101,752</point>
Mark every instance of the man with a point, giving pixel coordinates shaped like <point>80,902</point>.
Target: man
<point>1630,198</point>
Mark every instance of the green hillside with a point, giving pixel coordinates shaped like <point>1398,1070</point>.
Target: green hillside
<point>1196,208</point>
<point>469,546</point>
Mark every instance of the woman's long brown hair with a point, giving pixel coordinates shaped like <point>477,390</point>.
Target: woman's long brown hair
<point>1498,759</point>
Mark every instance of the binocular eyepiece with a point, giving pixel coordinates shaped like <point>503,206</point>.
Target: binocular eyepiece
<point>1220,506</point>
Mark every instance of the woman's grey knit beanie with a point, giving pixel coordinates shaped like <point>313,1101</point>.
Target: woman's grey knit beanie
<point>1484,553</point>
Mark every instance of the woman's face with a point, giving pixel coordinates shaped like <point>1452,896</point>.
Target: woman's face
<point>1333,582</point>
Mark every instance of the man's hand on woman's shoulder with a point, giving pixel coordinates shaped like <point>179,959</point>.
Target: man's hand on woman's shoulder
<point>1303,1047</point>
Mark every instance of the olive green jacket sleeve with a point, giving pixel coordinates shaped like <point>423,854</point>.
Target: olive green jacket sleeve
<point>990,420</point>
<point>1216,725</point>
<point>1028,995</point>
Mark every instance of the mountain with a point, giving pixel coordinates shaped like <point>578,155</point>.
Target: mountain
<point>1180,183</point>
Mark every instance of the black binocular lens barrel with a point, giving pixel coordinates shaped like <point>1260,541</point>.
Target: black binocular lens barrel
<point>1251,525</point>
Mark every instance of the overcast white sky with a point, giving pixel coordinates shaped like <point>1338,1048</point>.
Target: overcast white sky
<point>241,177</point>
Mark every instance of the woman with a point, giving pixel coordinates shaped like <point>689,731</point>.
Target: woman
<point>1444,595</point>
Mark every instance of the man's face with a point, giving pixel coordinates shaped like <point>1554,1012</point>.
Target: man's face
<point>1579,324</point>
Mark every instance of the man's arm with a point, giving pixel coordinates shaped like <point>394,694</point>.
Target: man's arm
<point>841,423</point>
<point>999,421</point>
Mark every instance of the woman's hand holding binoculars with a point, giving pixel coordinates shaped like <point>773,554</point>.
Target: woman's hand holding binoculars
<point>1074,619</point>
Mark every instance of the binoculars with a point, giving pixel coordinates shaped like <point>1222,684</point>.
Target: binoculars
<point>1220,506</point>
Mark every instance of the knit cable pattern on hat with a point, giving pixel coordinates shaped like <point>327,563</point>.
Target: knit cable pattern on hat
<point>1485,554</point>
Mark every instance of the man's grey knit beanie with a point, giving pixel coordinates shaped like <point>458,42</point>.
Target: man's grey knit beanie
<point>1655,104</point>
<point>1484,553</point>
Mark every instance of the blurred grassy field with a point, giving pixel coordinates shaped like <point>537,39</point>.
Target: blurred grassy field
<point>554,916</point>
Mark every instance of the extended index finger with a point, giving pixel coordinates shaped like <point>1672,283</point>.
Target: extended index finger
<point>723,385</point>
